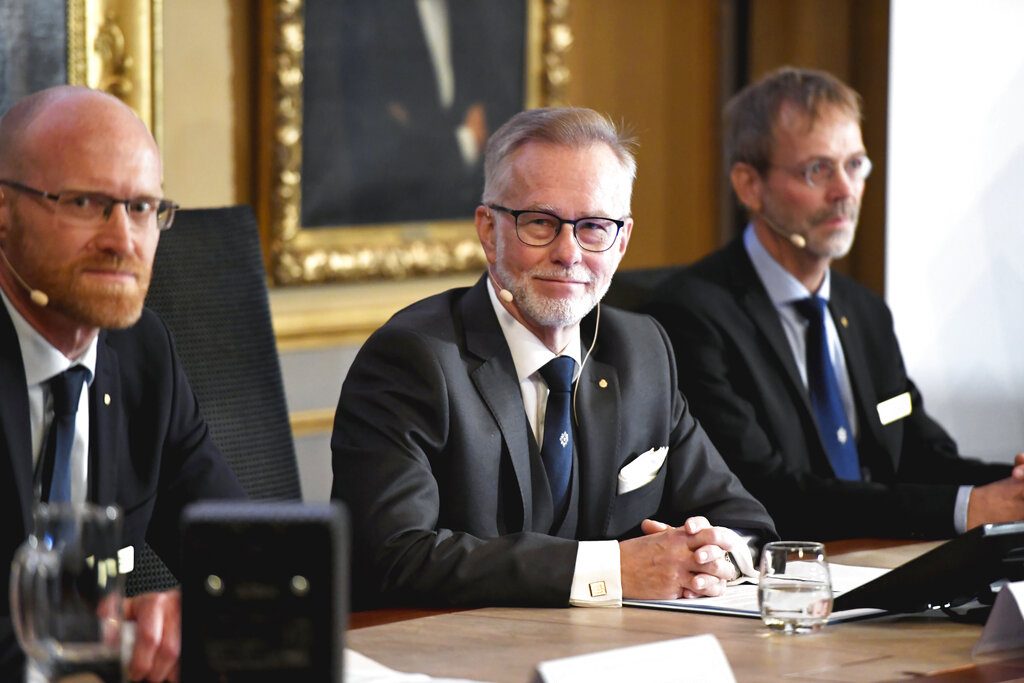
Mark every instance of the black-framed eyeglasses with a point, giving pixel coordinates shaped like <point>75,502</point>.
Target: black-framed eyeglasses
<point>820,172</point>
<point>90,207</point>
<point>540,228</point>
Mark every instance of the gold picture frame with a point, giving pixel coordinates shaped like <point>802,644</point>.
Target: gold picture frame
<point>300,255</point>
<point>116,46</point>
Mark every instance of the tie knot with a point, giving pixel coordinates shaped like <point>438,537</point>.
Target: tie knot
<point>558,373</point>
<point>67,389</point>
<point>812,308</point>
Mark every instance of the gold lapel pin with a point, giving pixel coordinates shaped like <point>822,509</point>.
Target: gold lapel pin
<point>603,383</point>
<point>106,399</point>
<point>844,322</point>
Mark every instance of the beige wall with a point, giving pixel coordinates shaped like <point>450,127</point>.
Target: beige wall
<point>199,144</point>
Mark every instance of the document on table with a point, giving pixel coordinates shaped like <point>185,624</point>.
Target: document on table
<point>740,600</point>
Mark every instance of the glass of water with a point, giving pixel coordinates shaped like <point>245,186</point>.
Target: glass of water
<point>794,589</point>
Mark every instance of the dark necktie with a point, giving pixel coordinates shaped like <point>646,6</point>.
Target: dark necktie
<point>66,389</point>
<point>556,451</point>
<point>826,400</point>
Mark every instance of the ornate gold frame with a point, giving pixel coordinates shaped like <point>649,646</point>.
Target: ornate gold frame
<point>117,46</point>
<point>300,256</point>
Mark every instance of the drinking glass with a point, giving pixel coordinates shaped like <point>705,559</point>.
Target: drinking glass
<point>67,594</point>
<point>794,589</point>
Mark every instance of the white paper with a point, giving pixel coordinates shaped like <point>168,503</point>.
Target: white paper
<point>1004,629</point>
<point>697,658</point>
<point>361,669</point>
<point>741,600</point>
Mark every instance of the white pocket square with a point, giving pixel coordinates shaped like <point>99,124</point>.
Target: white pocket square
<point>642,470</point>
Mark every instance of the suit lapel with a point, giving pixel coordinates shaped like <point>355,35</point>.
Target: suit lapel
<point>495,382</point>
<point>103,409</point>
<point>14,418</point>
<point>598,409</point>
<point>755,301</point>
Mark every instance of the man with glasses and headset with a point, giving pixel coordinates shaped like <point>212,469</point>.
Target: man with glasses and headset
<point>515,443</point>
<point>81,211</point>
<point>793,369</point>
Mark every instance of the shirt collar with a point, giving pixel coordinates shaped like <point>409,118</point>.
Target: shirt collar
<point>40,358</point>
<point>528,352</point>
<point>781,286</point>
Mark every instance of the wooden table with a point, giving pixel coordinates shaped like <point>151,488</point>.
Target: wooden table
<point>505,644</point>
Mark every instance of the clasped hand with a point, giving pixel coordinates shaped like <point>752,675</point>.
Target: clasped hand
<point>677,562</point>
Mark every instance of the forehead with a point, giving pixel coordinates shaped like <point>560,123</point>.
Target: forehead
<point>91,144</point>
<point>832,134</point>
<point>588,179</point>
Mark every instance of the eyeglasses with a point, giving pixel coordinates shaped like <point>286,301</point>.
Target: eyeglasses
<point>540,228</point>
<point>90,207</point>
<point>821,172</point>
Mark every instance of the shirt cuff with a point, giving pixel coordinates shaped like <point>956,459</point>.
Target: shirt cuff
<point>597,579</point>
<point>963,498</point>
<point>744,561</point>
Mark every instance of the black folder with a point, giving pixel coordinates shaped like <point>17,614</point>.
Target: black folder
<point>952,574</point>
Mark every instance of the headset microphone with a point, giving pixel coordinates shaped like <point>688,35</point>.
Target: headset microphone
<point>503,293</point>
<point>38,297</point>
<point>796,239</point>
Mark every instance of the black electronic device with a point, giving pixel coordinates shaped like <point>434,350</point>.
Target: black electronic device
<point>264,592</point>
<point>952,574</point>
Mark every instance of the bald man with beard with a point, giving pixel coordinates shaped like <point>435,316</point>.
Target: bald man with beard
<point>81,211</point>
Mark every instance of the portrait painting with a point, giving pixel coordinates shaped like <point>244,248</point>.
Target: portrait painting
<point>408,91</point>
<point>33,52</point>
<point>377,119</point>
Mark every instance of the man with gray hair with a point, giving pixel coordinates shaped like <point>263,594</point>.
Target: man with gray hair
<point>794,369</point>
<point>515,443</point>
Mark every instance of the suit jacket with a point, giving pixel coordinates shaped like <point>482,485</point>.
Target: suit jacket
<point>432,455</point>
<point>738,371</point>
<point>150,450</point>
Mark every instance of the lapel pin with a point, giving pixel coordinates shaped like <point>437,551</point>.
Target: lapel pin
<point>603,383</point>
<point>106,399</point>
<point>844,322</point>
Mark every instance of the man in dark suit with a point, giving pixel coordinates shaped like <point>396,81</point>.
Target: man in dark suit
<point>861,458</point>
<point>81,210</point>
<point>475,473</point>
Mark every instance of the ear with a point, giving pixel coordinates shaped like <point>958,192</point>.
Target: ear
<point>748,186</point>
<point>485,231</point>
<point>5,215</point>
<point>624,234</point>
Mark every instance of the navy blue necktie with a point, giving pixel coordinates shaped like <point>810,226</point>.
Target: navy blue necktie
<point>66,389</point>
<point>826,400</point>
<point>556,452</point>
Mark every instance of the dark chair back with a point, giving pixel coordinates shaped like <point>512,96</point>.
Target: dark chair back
<point>209,287</point>
<point>634,290</point>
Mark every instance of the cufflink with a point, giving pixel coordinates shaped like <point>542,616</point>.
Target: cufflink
<point>598,589</point>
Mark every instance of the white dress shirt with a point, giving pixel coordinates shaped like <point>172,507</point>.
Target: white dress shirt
<point>42,362</point>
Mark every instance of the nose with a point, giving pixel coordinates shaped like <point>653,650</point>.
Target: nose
<point>565,250</point>
<point>116,234</point>
<point>841,185</point>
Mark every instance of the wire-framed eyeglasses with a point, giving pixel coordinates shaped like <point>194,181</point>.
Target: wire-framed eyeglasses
<point>90,207</point>
<point>821,172</point>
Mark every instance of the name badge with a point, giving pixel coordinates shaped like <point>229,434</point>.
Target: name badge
<point>126,559</point>
<point>895,408</point>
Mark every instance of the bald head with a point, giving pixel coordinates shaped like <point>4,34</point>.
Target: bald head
<point>68,117</point>
<point>75,142</point>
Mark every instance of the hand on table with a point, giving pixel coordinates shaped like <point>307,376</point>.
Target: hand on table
<point>672,562</point>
